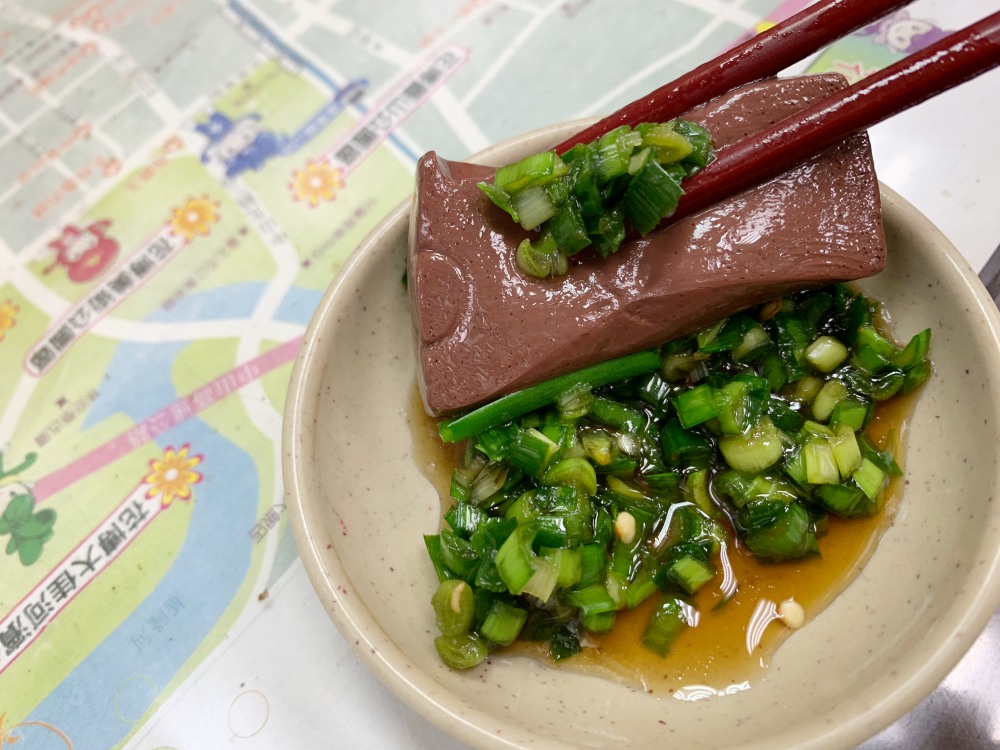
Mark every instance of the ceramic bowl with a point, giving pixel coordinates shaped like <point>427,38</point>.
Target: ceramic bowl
<point>360,503</point>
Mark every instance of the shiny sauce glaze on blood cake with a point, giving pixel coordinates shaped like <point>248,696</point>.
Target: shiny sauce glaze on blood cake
<point>483,329</point>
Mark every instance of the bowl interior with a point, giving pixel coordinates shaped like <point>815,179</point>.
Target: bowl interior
<point>361,503</point>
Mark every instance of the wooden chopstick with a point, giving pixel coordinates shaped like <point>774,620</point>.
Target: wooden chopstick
<point>751,160</point>
<point>762,56</point>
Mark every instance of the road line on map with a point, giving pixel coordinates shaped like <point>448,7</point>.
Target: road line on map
<point>504,57</point>
<point>146,332</point>
<point>170,416</point>
<point>723,11</point>
<point>601,104</point>
<point>464,127</point>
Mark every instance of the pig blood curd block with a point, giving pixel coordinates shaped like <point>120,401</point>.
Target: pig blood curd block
<point>483,329</point>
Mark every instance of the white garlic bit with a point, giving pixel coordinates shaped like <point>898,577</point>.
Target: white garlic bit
<point>792,614</point>
<point>456,598</point>
<point>625,527</point>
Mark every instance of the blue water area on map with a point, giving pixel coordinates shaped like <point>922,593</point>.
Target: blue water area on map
<point>99,702</point>
<point>298,305</point>
<point>230,302</point>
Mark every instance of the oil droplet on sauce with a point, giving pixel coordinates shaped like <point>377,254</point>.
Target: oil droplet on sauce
<point>714,653</point>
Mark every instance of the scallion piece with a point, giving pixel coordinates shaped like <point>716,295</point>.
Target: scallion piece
<point>521,402</point>
<point>454,605</point>
<point>568,228</point>
<point>461,651</point>
<point>852,412</point>
<point>501,198</point>
<point>599,623</point>
<point>503,623</point>
<point>827,398</point>
<point>543,581</point>
<point>755,450</point>
<point>778,530</point>
<point>534,206</point>
<point>567,562</point>
<point>915,351</point>
<point>664,626</point>
<point>826,353</point>
<point>821,467</point>
<point>593,560</point>
<point>639,590</point>
<point>870,478</point>
<point>651,196</point>
<point>531,452</point>
<point>696,405</point>
<point>669,145</point>
<point>536,169</point>
<point>846,451</point>
<point>592,600</point>
<point>592,493</point>
<point>515,561</point>
<point>688,570</point>
<point>576,472</point>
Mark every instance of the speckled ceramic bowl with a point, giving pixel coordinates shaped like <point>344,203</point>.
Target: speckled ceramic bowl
<point>360,504</point>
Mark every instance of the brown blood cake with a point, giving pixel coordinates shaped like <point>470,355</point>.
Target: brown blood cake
<point>483,329</point>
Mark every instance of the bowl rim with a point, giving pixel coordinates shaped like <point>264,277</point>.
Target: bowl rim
<point>405,679</point>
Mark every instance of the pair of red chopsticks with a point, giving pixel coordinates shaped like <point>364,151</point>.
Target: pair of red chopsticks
<point>947,63</point>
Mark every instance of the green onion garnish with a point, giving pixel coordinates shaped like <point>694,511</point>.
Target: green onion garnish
<point>626,178</point>
<point>623,483</point>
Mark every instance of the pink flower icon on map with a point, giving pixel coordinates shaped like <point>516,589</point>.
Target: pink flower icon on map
<point>172,476</point>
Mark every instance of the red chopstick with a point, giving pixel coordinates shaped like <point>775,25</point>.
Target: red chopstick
<point>764,55</point>
<point>945,64</point>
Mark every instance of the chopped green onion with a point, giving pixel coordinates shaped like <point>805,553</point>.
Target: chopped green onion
<point>594,492</point>
<point>821,467</point>
<point>827,398</point>
<point>651,196</point>
<point>592,600</point>
<point>870,478</point>
<point>688,570</point>
<point>543,581</point>
<point>915,352</point>
<point>536,169</point>
<point>826,353</point>
<point>664,626</point>
<point>602,622</point>
<point>753,341</point>
<point>568,564</point>
<point>568,229</point>
<point>593,560</point>
<point>846,451</point>
<point>501,198</point>
<point>515,561</point>
<point>503,623</point>
<point>454,606</point>
<point>853,413</point>
<point>575,472</point>
<point>696,405</point>
<point>754,451</point>
<point>532,451</point>
<point>778,530</point>
<point>461,651</point>
<point>585,198</point>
